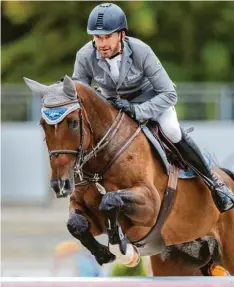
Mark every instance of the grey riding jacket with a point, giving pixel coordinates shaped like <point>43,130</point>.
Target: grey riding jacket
<point>141,73</point>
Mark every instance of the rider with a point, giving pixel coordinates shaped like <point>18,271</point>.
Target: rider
<point>127,68</point>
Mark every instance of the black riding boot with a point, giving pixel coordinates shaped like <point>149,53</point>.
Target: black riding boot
<point>222,196</point>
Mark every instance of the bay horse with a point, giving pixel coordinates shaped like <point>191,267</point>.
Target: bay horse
<point>117,183</point>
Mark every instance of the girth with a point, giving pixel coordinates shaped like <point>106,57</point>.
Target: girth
<point>153,243</point>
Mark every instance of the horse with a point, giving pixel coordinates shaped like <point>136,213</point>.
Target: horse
<point>117,184</point>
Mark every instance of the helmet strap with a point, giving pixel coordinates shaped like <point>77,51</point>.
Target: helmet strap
<point>122,46</point>
<point>122,42</point>
<point>94,45</point>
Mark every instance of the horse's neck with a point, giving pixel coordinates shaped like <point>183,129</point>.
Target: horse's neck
<point>101,116</point>
<point>99,112</point>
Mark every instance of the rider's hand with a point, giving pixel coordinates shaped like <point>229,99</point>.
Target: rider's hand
<point>124,105</point>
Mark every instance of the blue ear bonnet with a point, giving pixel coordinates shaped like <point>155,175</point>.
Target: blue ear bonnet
<point>52,116</point>
<point>54,113</point>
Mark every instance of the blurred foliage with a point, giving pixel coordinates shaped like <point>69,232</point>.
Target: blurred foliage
<point>194,40</point>
<point>122,270</point>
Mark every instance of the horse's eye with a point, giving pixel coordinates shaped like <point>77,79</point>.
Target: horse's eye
<point>73,124</point>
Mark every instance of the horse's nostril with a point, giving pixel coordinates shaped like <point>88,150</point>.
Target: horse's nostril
<point>67,184</point>
<point>55,185</point>
<point>60,185</point>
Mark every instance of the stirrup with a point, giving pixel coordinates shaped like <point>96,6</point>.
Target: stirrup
<point>222,200</point>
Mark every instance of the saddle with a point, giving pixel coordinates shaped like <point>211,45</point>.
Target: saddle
<point>172,153</point>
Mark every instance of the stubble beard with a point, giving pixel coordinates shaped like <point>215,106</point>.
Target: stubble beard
<point>110,52</point>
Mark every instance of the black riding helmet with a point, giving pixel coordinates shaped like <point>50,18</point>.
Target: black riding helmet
<point>105,19</point>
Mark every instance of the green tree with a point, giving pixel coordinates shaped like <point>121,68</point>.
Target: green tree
<point>194,40</point>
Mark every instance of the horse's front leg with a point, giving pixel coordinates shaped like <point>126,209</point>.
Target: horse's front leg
<point>79,227</point>
<point>110,207</point>
<point>139,205</point>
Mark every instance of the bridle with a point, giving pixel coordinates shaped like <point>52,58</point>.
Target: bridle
<point>80,151</point>
<point>83,155</point>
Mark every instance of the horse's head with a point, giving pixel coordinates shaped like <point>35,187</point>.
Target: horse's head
<point>64,126</point>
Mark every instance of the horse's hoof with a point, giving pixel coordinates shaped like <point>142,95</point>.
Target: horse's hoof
<point>103,255</point>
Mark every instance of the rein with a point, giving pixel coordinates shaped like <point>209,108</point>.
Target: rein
<point>83,156</point>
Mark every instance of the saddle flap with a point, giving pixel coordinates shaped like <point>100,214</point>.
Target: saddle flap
<point>172,153</point>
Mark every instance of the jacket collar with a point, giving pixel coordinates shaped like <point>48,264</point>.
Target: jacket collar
<point>125,63</point>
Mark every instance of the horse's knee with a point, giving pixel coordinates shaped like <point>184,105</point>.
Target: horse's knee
<point>77,224</point>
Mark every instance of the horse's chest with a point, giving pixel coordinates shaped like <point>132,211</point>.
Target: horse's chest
<point>92,198</point>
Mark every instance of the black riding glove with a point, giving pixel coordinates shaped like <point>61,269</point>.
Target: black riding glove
<point>124,105</point>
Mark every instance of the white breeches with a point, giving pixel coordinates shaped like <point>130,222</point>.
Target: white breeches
<point>170,125</point>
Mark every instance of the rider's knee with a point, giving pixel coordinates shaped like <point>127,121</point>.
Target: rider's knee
<point>173,133</point>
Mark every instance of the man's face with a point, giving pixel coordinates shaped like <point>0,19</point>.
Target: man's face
<point>108,45</point>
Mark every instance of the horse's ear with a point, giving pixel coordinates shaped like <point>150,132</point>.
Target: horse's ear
<point>35,86</point>
<point>69,87</point>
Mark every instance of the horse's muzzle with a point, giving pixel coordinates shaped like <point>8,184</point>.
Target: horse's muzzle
<point>62,187</point>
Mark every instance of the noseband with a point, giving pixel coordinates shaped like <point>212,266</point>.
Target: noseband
<point>56,153</point>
